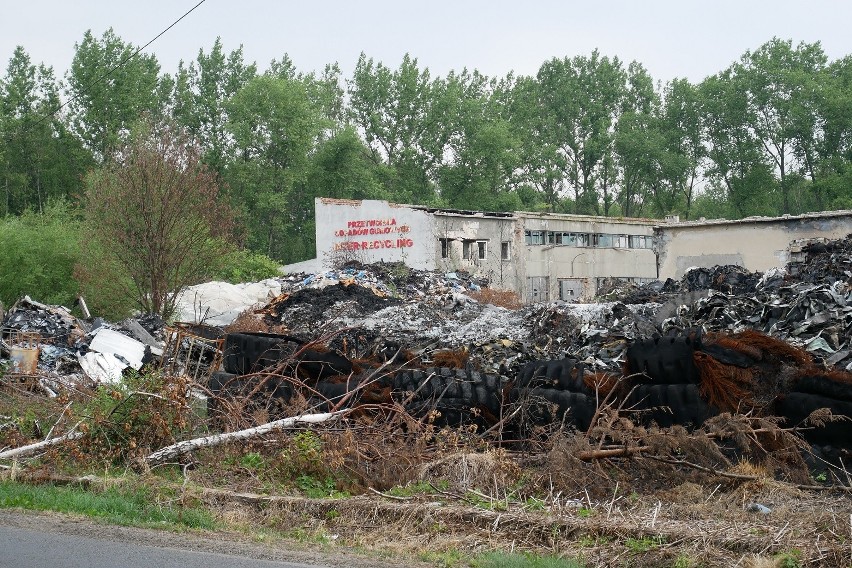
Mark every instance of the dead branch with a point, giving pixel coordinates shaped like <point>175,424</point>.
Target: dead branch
<point>175,450</point>
<point>610,453</point>
<point>30,449</point>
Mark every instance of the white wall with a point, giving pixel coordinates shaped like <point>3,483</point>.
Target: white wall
<point>757,245</point>
<point>372,231</point>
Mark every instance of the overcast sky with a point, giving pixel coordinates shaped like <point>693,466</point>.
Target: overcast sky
<point>672,38</point>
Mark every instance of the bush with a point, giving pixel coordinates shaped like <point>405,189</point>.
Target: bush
<point>247,266</point>
<point>38,255</point>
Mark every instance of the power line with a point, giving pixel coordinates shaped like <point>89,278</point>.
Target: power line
<point>121,63</point>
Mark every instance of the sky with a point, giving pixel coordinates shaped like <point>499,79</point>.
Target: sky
<point>671,38</point>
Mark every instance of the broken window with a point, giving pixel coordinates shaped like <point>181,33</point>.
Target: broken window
<point>466,254</point>
<point>482,247</point>
<point>641,242</point>
<point>445,248</point>
<point>534,237</point>
<point>506,250</point>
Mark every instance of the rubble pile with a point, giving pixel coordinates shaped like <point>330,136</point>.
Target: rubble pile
<point>425,325</point>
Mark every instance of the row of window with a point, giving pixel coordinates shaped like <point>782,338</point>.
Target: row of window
<point>476,250</point>
<point>600,240</point>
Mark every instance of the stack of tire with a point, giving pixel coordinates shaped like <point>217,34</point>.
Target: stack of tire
<point>247,355</point>
<point>450,397</point>
<point>832,439</point>
<point>554,391</point>
<point>663,381</point>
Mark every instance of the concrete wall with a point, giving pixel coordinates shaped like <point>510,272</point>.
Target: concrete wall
<point>580,267</point>
<point>756,244</point>
<point>373,231</point>
<point>494,232</point>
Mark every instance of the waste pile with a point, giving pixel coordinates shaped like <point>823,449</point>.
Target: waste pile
<point>721,339</point>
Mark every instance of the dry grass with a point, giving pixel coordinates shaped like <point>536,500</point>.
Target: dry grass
<point>501,298</point>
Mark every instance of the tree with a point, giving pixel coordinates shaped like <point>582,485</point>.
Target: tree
<point>155,218</point>
<point>200,97</point>
<point>778,81</point>
<point>579,101</point>
<point>110,89</point>
<point>39,159</point>
<point>275,127</point>
<point>403,114</point>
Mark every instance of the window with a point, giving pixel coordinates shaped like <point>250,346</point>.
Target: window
<point>445,248</point>
<point>466,254</point>
<point>506,250</point>
<point>601,240</point>
<point>534,237</point>
<point>482,247</point>
<point>620,241</point>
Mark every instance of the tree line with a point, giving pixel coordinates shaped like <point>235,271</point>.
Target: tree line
<point>589,134</point>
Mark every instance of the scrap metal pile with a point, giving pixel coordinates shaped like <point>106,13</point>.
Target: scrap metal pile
<point>389,337</point>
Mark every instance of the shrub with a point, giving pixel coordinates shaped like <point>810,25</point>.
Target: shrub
<point>38,255</point>
<point>247,266</point>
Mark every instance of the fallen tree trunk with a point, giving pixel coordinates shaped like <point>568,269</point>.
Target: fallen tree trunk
<point>175,450</point>
<point>30,449</point>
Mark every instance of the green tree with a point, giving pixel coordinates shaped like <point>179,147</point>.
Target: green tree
<point>479,173</point>
<point>154,220</point>
<point>579,101</point>
<point>39,159</point>
<point>109,90</point>
<point>201,94</point>
<point>737,166</point>
<point>403,114</point>
<point>275,128</point>
<point>777,80</point>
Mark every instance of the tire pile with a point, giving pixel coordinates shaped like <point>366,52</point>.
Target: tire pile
<point>681,379</point>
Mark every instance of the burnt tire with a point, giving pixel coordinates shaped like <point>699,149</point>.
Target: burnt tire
<point>667,405</point>
<point>663,360</point>
<point>824,386</point>
<point>245,353</point>
<point>795,407</point>
<point>562,374</point>
<point>545,406</point>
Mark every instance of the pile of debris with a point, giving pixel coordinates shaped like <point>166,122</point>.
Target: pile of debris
<point>719,339</point>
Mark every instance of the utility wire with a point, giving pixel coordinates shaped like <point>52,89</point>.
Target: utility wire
<point>121,63</point>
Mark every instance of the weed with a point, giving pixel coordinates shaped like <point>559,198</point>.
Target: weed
<point>414,488</point>
<point>448,559</point>
<point>585,512</point>
<point>253,461</point>
<point>644,544</point>
<point>791,559</point>
<point>507,560</point>
<point>319,488</point>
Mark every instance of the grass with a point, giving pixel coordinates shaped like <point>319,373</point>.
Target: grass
<point>508,560</point>
<point>114,505</point>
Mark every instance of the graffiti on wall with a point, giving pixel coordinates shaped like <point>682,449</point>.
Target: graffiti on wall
<point>382,233</point>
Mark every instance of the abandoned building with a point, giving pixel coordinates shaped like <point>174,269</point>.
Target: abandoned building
<point>549,256</point>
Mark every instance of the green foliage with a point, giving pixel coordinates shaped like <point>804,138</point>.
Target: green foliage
<point>142,413</point>
<point>247,266</point>
<point>319,488</point>
<point>252,461</point>
<point>115,505</point>
<point>39,254</point>
<point>644,544</point>
<point>791,559</point>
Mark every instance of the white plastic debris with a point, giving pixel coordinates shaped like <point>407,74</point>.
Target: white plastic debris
<point>110,342</point>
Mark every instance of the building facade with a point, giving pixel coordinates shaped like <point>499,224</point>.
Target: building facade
<point>548,256</point>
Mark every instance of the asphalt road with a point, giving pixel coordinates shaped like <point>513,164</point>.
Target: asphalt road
<point>27,548</point>
<point>49,540</point>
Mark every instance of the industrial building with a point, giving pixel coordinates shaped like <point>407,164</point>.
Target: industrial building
<point>549,256</point>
